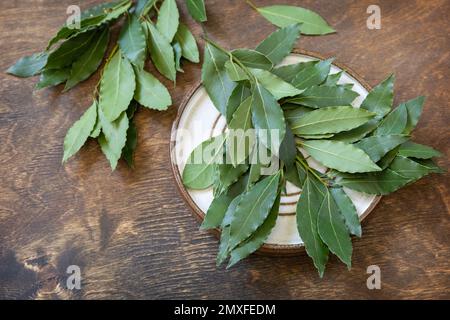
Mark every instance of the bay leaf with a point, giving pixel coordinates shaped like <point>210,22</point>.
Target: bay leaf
<point>414,150</point>
<point>312,75</point>
<point>133,42</point>
<point>414,110</point>
<point>294,114</point>
<point>283,15</point>
<point>268,119</point>
<point>90,60</point>
<point>130,145</point>
<point>387,159</point>
<point>215,79</point>
<point>408,168</point>
<point>178,54</point>
<point>117,86</point>
<point>253,209</point>
<point>70,50</point>
<point>380,98</point>
<point>188,44</point>
<point>290,71</point>
<point>239,94</point>
<point>332,79</point>
<point>252,59</point>
<point>53,77</point>
<point>325,96</point>
<point>347,210</point>
<point>92,19</point>
<point>29,66</point>
<point>275,85</point>
<point>307,214</point>
<point>377,146</point>
<point>113,138</point>
<point>288,149</point>
<point>219,206</point>
<point>381,183</point>
<point>197,10</point>
<point>240,139</point>
<point>394,122</point>
<point>357,133</point>
<point>330,120</point>
<point>333,231</point>
<point>199,170</point>
<point>143,7</point>
<point>280,43</point>
<point>161,52</point>
<point>79,132</point>
<point>168,19</point>
<point>234,72</point>
<point>257,239</point>
<point>150,92</point>
<point>340,156</point>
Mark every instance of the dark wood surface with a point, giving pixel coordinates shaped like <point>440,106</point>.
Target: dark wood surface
<point>130,231</point>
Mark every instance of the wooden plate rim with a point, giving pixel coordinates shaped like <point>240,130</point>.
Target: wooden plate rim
<point>266,249</point>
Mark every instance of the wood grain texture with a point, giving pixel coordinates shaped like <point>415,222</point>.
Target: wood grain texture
<point>130,231</point>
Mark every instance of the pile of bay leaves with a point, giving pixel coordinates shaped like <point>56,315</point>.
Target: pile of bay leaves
<point>367,149</point>
<point>150,28</point>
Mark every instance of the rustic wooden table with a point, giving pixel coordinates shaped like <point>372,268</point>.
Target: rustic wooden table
<point>130,231</point>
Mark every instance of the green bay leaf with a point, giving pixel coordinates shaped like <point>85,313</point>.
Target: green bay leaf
<point>314,74</point>
<point>279,44</point>
<point>199,170</point>
<point>275,85</point>
<point>29,66</point>
<point>252,59</point>
<point>414,109</point>
<point>332,230</point>
<point>257,239</point>
<point>197,10</point>
<point>307,214</point>
<point>239,94</point>
<point>168,19</point>
<point>117,87</point>
<point>325,96</point>
<point>380,98</point>
<point>253,209</point>
<point>113,138</point>
<point>188,44</point>
<point>52,77</point>
<point>215,79</point>
<point>161,52</point>
<point>290,71</point>
<point>348,211</point>
<point>79,132</point>
<point>330,120</point>
<point>150,92</point>
<point>378,183</point>
<point>414,150</point>
<point>89,61</point>
<point>240,139</point>
<point>70,50</point>
<point>394,122</point>
<point>268,119</point>
<point>377,146</point>
<point>133,42</point>
<point>340,156</point>
<point>283,16</point>
<point>130,145</point>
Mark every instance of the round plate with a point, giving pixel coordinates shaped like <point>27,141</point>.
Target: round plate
<point>198,120</point>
